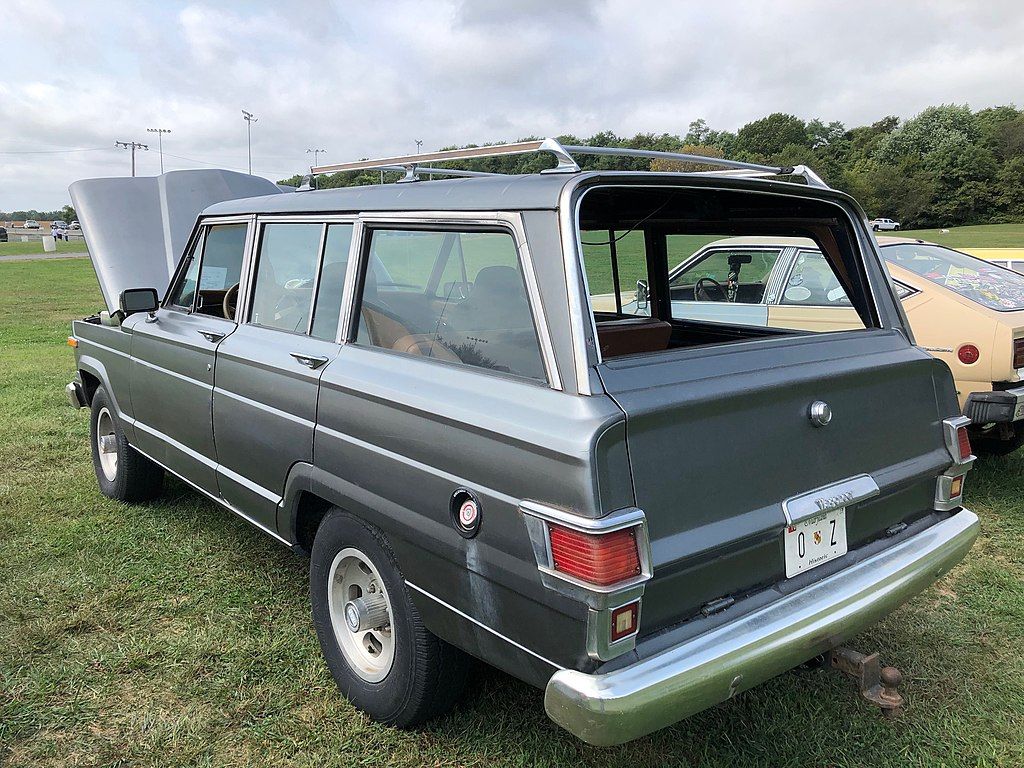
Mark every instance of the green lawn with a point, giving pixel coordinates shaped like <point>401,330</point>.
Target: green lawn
<point>173,633</point>
<point>980,236</point>
<point>18,248</point>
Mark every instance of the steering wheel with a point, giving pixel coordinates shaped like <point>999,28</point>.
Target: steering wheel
<point>698,288</point>
<point>230,303</point>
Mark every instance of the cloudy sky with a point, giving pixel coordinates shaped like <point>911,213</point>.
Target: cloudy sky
<point>369,78</point>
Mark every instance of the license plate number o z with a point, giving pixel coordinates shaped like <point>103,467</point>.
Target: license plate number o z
<point>813,542</point>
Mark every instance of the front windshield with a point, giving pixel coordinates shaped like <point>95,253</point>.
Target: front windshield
<point>974,279</point>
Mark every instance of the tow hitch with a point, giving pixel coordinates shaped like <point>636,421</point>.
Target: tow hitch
<point>877,684</point>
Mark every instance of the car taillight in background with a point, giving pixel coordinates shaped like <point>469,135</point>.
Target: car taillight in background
<point>596,558</point>
<point>968,354</point>
<point>1018,353</point>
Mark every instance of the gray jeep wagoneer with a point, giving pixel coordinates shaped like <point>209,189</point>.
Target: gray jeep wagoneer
<point>644,514</point>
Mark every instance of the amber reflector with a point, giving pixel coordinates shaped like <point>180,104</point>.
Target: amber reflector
<point>72,341</point>
<point>964,442</point>
<point>601,559</point>
<point>624,621</point>
<point>956,488</point>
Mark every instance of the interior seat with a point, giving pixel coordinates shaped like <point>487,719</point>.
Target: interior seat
<point>633,336</point>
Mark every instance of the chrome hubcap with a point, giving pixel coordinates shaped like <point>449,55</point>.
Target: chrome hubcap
<point>361,615</point>
<point>106,444</point>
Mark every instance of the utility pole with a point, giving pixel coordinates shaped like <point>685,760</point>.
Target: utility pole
<point>316,155</point>
<point>132,145</point>
<point>160,138</point>
<point>249,120</point>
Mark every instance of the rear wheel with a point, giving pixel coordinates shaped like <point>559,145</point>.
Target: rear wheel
<point>382,657</point>
<point>122,472</point>
<point>995,445</point>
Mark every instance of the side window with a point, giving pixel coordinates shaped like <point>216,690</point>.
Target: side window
<point>812,283</point>
<point>608,254</point>
<point>327,309</point>
<point>221,269</point>
<point>184,293</point>
<point>457,296</point>
<point>736,276</point>
<point>285,271</point>
<point>902,291</point>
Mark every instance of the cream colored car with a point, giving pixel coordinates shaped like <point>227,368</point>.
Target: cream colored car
<point>965,311</point>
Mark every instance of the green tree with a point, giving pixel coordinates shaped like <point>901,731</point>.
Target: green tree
<point>770,135</point>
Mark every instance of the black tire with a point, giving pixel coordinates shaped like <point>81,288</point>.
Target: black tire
<point>896,228</point>
<point>427,675</point>
<point>993,446</point>
<point>135,478</point>
<point>875,228</point>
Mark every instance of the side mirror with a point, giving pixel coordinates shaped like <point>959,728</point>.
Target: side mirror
<point>643,294</point>
<point>139,300</point>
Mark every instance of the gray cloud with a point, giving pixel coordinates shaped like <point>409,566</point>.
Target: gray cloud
<point>367,78</point>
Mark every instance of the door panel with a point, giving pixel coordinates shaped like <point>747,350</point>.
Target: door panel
<point>264,410</point>
<point>172,391</point>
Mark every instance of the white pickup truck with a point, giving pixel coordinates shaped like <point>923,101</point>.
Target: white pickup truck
<point>884,225</point>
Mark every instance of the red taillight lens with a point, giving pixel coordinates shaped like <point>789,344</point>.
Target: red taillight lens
<point>968,354</point>
<point>1018,353</point>
<point>600,559</point>
<point>964,442</point>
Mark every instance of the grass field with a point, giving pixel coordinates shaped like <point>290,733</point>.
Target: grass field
<point>18,248</point>
<point>981,236</point>
<point>173,633</point>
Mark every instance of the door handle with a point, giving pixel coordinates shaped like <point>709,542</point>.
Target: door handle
<point>212,336</point>
<point>310,361</point>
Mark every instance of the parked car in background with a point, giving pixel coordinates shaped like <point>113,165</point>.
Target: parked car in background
<point>3,234</point>
<point>963,310</point>
<point>1011,258</point>
<point>31,224</point>
<point>642,514</point>
<point>75,225</point>
<point>58,226</point>
<point>883,225</point>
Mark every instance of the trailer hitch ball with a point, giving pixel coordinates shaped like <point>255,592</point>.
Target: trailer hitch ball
<point>879,685</point>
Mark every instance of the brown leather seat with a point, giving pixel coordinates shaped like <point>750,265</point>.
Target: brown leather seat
<point>632,336</point>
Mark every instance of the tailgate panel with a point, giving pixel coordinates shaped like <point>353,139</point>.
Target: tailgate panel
<point>719,437</point>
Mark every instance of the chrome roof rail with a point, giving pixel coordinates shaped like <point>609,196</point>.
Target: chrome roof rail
<point>413,164</point>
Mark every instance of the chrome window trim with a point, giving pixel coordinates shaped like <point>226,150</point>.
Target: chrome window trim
<point>789,272</point>
<point>510,222</point>
<point>572,251</point>
<point>316,277</point>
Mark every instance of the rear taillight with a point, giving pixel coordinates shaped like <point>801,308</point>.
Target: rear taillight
<point>963,442</point>
<point>596,558</point>
<point>968,354</point>
<point>1018,353</point>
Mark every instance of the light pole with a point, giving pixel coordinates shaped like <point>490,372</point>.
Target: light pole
<point>316,155</point>
<point>160,138</point>
<point>419,143</point>
<point>249,120</point>
<point>132,145</point>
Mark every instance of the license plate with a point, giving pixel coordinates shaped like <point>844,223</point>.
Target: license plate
<point>814,541</point>
<point>1018,413</point>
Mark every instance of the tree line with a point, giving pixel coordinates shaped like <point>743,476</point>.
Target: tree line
<point>947,166</point>
<point>66,214</point>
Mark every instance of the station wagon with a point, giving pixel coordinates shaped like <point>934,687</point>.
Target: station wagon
<point>418,386</point>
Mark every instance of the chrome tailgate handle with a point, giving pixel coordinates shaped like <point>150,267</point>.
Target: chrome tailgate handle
<point>310,361</point>
<point>212,336</point>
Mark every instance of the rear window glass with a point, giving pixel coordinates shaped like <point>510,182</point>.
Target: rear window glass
<point>980,281</point>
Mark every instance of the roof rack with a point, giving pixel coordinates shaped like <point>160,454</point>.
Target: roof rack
<point>563,154</point>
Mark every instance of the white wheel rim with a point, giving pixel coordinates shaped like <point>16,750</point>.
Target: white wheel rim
<point>106,444</point>
<point>370,653</point>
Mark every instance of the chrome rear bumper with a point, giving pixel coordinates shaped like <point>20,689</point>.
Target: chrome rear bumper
<point>633,701</point>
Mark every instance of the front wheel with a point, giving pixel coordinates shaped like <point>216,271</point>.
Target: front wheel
<point>381,656</point>
<point>874,228</point>
<point>896,228</point>
<point>122,472</point>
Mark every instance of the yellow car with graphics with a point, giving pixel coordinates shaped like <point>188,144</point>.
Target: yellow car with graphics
<point>965,311</point>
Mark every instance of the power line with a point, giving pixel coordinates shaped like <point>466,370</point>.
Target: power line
<point>133,145</point>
